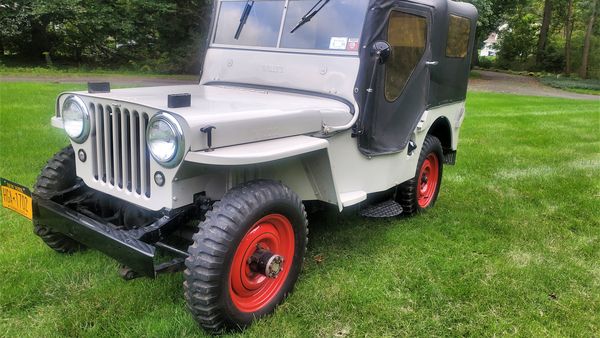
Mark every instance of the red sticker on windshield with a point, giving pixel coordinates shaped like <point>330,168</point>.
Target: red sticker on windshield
<point>353,45</point>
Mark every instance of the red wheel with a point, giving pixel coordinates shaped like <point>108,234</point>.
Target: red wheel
<point>428,180</point>
<point>421,192</point>
<point>246,256</point>
<point>249,289</point>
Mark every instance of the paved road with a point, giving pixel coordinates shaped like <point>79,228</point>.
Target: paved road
<point>521,85</point>
<point>487,82</point>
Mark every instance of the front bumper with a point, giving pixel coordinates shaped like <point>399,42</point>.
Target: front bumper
<point>134,248</point>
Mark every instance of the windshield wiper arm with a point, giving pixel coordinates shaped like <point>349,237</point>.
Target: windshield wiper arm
<point>310,14</point>
<point>244,18</point>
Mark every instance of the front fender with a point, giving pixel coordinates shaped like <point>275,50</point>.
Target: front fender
<point>258,152</point>
<point>300,162</point>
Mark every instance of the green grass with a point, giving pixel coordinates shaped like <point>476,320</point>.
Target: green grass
<point>75,72</point>
<point>511,248</point>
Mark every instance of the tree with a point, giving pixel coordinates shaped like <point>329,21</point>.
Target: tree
<point>492,13</point>
<point>518,40</point>
<point>568,36</point>
<point>583,71</point>
<point>543,39</point>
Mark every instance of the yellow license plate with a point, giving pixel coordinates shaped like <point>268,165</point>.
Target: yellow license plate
<point>16,198</point>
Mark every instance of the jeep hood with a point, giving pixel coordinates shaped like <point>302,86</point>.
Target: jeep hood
<point>239,114</point>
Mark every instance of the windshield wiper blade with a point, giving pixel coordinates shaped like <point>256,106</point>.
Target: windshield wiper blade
<point>310,14</point>
<point>244,18</point>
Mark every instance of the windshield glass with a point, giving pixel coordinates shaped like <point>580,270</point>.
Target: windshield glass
<point>337,27</point>
<point>261,28</point>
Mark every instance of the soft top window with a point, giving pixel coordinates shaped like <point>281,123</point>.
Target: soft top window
<point>458,37</point>
<point>407,34</point>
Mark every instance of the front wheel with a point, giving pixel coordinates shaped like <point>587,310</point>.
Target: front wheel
<point>421,192</point>
<point>58,175</point>
<point>247,255</point>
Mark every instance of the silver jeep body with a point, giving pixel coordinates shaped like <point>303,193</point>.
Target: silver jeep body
<point>278,113</point>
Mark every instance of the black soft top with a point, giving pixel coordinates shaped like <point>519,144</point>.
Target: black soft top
<point>381,128</point>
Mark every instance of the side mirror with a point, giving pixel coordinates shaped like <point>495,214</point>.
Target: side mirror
<point>382,50</point>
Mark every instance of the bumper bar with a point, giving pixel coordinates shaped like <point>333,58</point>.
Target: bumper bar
<point>123,245</point>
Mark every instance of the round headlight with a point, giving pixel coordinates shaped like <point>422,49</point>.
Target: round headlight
<point>165,140</point>
<point>76,119</point>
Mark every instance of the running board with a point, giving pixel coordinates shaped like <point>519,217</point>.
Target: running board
<point>386,209</point>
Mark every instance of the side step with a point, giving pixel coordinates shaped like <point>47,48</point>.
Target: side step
<point>386,209</point>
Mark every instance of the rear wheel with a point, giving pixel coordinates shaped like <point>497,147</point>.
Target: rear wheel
<point>246,256</point>
<point>421,192</point>
<point>58,175</point>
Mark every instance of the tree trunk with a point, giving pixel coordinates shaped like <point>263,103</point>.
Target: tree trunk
<point>568,34</point>
<point>475,54</point>
<point>543,40</point>
<point>583,72</point>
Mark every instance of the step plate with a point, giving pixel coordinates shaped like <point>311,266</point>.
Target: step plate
<point>385,209</point>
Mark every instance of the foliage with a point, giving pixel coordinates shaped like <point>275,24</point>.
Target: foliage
<point>511,247</point>
<point>590,86</point>
<point>163,35</point>
<point>487,62</point>
<point>519,39</point>
<point>168,35</point>
<point>492,13</point>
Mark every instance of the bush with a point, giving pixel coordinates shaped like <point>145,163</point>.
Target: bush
<point>487,62</point>
<point>591,85</point>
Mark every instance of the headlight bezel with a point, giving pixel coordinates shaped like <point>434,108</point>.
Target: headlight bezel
<point>177,130</point>
<point>87,125</point>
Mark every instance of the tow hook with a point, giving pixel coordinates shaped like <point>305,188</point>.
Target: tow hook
<point>266,263</point>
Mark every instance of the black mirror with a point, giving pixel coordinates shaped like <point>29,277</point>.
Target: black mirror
<point>382,50</point>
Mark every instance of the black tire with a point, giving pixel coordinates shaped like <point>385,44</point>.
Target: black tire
<point>407,194</point>
<point>58,175</point>
<point>209,271</point>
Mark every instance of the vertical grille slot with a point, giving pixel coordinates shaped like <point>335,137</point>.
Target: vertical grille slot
<point>117,154</point>
<point>94,143</point>
<point>126,149</point>
<point>120,156</point>
<point>146,157</point>
<point>137,183</point>
<point>108,137</point>
<point>100,136</point>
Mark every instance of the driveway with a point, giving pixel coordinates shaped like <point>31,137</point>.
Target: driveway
<point>521,85</point>
<point>487,82</point>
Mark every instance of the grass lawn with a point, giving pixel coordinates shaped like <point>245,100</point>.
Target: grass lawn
<point>511,248</point>
<point>74,72</point>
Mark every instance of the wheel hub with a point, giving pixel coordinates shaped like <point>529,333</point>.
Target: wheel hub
<point>266,263</point>
<point>262,263</point>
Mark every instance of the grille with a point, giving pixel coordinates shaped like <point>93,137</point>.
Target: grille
<point>119,153</point>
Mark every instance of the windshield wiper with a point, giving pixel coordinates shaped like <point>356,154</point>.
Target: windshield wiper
<point>244,18</point>
<point>310,14</point>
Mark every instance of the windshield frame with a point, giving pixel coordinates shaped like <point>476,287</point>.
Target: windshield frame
<point>277,48</point>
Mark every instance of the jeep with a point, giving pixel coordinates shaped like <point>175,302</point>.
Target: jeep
<point>300,104</point>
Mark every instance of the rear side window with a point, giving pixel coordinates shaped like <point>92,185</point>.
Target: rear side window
<point>407,34</point>
<point>459,32</point>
